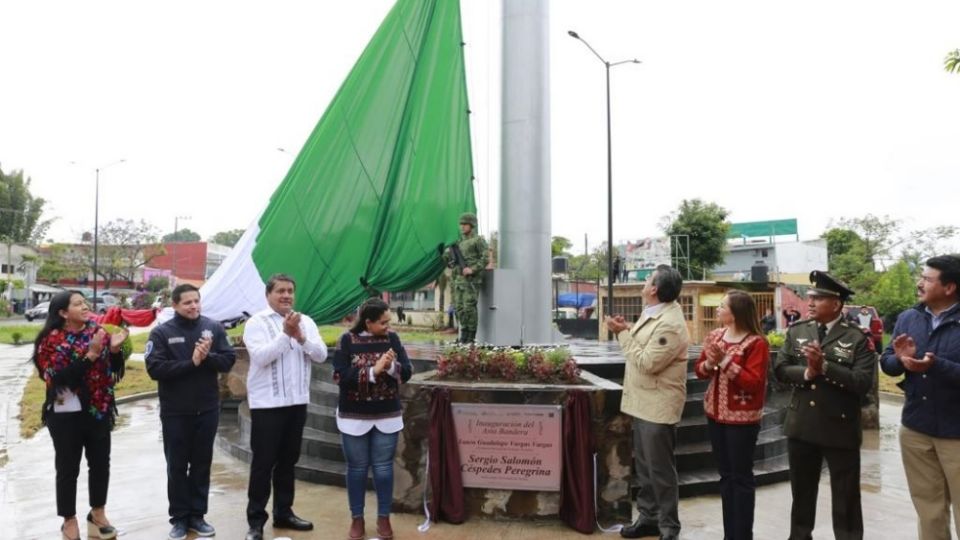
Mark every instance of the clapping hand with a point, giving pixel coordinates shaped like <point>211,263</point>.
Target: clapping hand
<point>814,355</point>
<point>291,326</point>
<point>616,324</point>
<point>117,339</point>
<point>384,362</point>
<point>919,366</point>
<point>96,345</point>
<point>714,353</point>
<point>732,371</point>
<point>904,346</point>
<point>201,350</point>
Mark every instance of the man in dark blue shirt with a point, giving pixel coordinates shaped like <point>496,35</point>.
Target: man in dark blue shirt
<point>926,348</point>
<point>184,355</point>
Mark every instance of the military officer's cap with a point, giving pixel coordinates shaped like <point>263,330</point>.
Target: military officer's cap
<point>826,285</point>
<point>469,218</point>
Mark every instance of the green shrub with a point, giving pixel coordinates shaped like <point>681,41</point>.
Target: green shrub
<point>158,283</point>
<point>776,339</point>
<point>17,338</point>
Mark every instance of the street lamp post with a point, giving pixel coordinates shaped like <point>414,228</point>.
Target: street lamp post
<point>607,65</point>
<point>96,226</point>
<point>173,264</point>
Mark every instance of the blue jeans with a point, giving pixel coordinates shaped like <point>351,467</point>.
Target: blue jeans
<point>372,449</point>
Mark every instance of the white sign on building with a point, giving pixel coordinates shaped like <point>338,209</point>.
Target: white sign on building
<point>647,253</point>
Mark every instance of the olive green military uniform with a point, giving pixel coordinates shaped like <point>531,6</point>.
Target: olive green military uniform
<point>466,289</point>
<point>823,422</point>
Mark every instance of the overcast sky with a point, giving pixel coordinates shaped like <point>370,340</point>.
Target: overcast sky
<point>814,110</point>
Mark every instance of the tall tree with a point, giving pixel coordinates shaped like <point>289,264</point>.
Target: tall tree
<point>590,267</point>
<point>706,225</point>
<point>227,238</point>
<point>123,249</point>
<point>559,245</point>
<point>885,241</point>
<point>60,261</point>
<point>951,63</point>
<point>894,291</point>
<point>847,257</point>
<point>20,211</point>
<point>921,245</point>
<point>182,235</point>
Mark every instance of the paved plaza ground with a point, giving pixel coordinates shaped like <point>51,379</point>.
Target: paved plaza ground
<point>137,501</point>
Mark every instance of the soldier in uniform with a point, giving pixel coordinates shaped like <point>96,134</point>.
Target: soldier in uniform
<point>467,280</point>
<point>830,364</point>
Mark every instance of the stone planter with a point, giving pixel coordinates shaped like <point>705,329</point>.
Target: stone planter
<point>611,431</point>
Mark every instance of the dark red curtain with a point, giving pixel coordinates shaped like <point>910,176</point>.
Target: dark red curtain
<point>576,482</point>
<point>446,481</point>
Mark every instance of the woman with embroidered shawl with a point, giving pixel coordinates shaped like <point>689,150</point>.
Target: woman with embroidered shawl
<point>369,366</point>
<point>734,359</point>
<point>80,363</point>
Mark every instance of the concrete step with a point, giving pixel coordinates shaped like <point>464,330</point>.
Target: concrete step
<point>694,428</point>
<point>699,455</point>
<point>324,393</point>
<point>706,481</point>
<point>309,468</point>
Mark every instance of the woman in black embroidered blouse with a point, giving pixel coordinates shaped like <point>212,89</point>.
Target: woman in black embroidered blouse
<point>369,365</point>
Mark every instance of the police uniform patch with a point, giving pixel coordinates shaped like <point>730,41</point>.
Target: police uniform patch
<point>148,349</point>
<point>663,340</point>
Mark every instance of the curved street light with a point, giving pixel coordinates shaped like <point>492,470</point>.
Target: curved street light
<point>607,65</point>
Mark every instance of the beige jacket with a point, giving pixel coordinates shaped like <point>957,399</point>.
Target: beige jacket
<point>655,375</point>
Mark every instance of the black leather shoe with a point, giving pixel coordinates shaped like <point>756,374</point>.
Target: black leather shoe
<point>639,530</point>
<point>292,522</point>
<point>670,537</point>
<point>255,533</point>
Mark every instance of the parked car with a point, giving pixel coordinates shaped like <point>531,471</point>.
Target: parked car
<point>876,323</point>
<point>102,303</point>
<point>37,312</point>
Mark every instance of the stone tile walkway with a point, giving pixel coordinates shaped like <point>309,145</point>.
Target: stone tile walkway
<point>137,502</point>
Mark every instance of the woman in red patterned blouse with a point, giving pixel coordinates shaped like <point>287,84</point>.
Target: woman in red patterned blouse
<point>735,358</point>
<point>80,364</point>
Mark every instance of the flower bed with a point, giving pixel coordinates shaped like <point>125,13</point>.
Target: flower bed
<point>545,365</point>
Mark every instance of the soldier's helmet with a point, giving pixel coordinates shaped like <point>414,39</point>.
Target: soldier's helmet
<point>469,218</point>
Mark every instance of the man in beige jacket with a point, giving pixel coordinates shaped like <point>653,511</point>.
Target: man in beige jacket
<point>654,391</point>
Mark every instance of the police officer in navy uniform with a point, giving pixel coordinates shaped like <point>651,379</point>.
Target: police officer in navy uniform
<point>830,364</point>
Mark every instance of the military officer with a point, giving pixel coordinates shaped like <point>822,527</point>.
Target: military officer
<point>467,279</point>
<point>830,364</point>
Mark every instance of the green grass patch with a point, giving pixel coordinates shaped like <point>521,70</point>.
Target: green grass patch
<point>886,382</point>
<point>135,381</point>
<point>27,333</point>
<point>889,384</point>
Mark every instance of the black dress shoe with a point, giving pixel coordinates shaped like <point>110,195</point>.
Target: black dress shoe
<point>639,530</point>
<point>255,533</point>
<point>292,522</point>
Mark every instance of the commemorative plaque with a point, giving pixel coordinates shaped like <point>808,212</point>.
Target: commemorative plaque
<point>509,446</point>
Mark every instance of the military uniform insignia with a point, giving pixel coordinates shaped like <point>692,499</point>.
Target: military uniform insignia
<point>843,354</point>
<point>801,341</point>
<point>845,345</point>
